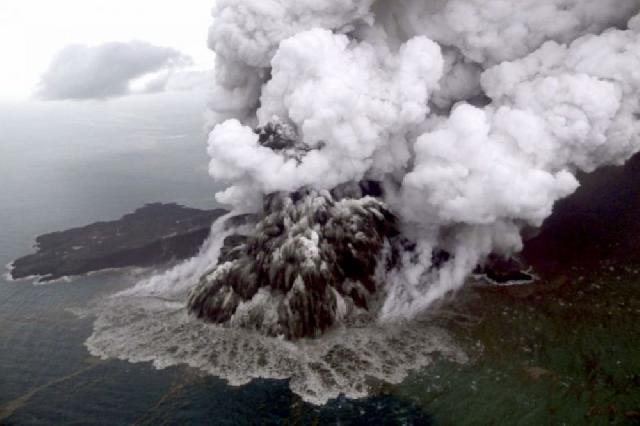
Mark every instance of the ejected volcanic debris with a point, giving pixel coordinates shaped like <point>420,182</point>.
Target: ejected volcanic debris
<point>310,261</point>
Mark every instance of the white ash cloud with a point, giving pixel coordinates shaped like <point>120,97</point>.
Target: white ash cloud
<point>487,32</point>
<point>486,172</point>
<point>247,33</point>
<point>475,115</point>
<point>479,113</point>
<point>492,31</point>
<point>360,89</point>
<point>250,31</point>
<point>107,70</point>
<point>360,98</point>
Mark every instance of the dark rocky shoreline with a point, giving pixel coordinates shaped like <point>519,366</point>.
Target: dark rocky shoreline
<point>154,234</point>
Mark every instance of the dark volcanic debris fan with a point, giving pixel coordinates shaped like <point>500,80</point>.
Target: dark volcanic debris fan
<point>309,262</point>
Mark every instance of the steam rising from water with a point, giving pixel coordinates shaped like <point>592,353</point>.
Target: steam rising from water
<point>475,116</point>
<point>150,323</point>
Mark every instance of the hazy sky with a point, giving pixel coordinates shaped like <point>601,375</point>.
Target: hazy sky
<point>33,31</point>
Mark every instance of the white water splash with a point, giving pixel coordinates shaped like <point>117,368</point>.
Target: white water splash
<point>150,323</point>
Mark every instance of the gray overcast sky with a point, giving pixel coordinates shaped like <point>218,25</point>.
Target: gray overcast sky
<point>33,31</point>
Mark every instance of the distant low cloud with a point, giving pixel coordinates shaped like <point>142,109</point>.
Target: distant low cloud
<point>174,80</point>
<point>105,71</point>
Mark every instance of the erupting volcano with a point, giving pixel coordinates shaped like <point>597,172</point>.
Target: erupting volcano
<point>377,153</point>
<point>307,264</point>
<point>470,118</point>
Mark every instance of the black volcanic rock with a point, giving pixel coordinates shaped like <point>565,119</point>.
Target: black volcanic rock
<point>502,270</point>
<point>153,234</point>
<point>309,261</point>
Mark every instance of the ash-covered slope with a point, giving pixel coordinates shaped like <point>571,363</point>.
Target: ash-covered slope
<point>309,262</point>
<point>153,234</point>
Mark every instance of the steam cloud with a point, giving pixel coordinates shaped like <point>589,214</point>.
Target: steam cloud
<point>107,70</point>
<point>475,114</point>
<point>466,120</point>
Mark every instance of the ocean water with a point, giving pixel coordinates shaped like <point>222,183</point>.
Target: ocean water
<point>563,352</point>
<point>70,164</point>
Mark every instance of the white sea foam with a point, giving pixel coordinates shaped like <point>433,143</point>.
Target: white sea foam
<point>150,323</point>
<point>157,330</point>
<point>8,270</point>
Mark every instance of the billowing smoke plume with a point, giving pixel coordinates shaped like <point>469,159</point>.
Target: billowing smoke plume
<point>474,114</point>
<point>384,149</point>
